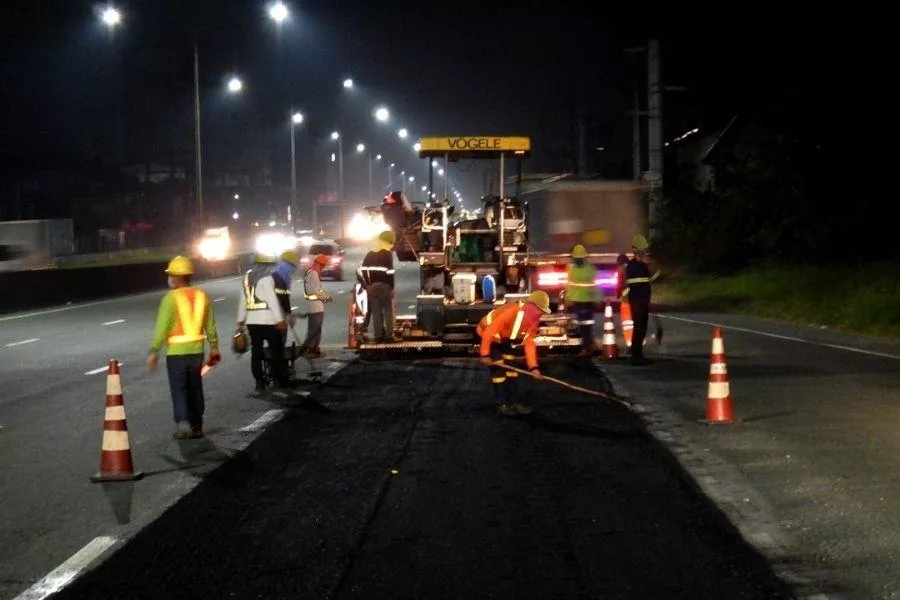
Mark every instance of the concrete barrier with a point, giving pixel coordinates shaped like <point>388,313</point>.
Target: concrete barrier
<point>28,290</point>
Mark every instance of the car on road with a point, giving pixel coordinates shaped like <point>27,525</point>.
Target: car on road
<point>335,253</point>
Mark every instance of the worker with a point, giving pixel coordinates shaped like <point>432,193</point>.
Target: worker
<point>260,311</point>
<point>637,279</point>
<point>282,274</point>
<point>376,274</point>
<point>581,282</point>
<point>184,322</point>
<point>315,298</point>
<point>624,306</point>
<point>512,322</point>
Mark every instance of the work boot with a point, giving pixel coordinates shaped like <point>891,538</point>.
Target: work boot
<point>521,409</point>
<point>196,433</point>
<point>659,334</point>
<point>506,410</point>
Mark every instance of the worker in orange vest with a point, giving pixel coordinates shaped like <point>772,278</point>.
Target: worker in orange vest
<point>624,306</point>
<point>513,322</point>
<point>184,323</point>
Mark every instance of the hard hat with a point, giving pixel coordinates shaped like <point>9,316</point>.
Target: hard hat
<point>579,251</point>
<point>291,257</point>
<point>321,259</point>
<point>240,342</point>
<point>387,237</point>
<point>541,299</point>
<point>180,265</point>
<point>265,258</point>
<point>639,242</point>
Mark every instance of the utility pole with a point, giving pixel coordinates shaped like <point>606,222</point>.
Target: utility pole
<point>654,108</point>
<point>197,152</point>
<point>582,141</point>
<point>636,113</point>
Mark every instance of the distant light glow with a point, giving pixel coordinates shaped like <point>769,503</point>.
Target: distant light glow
<point>279,12</point>
<point>417,146</point>
<point>382,114</point>
<point>335,135</point>
<point>111,16</point>
<point>360,147</point>
<point>235,216</point>
<point>403,133</point>
<point>297,118</point>
<point>348,83</point>
<point>377,157</point>
<point>235,85</point>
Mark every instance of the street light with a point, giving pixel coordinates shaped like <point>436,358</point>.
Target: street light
<point>278,12</point>
<point>382,114</point>
<point>235,85</point>
<point>296,119</point>
<point>336,136</point>
<point>417,146</point>
<point>403,133</point>
<point>360,147</point>
<point>111,16</point>
<point>348,84</point>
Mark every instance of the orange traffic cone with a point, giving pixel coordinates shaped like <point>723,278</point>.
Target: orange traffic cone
<point>627,322</point>
<point>115,455</point>
<point>609,349</point>
<point>352,342</point>
<point>718,398</point>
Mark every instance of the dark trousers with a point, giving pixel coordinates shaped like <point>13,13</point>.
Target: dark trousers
<point>186,386</point>
<point>584,314</point>
<point>269,334</point>
<point>640,313</point>
<point>503,382</point>
<point>381,305</point>
<point>313,332</point>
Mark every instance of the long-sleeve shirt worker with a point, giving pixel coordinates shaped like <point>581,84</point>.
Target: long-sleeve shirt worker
<point>264,291</point>
<point>313,292</point>
<point>168,322</point>
<point>377,267</point>
<point>512,322</point>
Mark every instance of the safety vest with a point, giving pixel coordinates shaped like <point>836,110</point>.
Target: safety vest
<point>517,324</point>
<point>637,278</point>
<point>306,293</point>
<point>580,287</point>
<point>253,303</point>
<point>190,307</point>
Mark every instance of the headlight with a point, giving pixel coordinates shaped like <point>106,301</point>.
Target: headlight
<point>214,248</point>
<point>272,244</point>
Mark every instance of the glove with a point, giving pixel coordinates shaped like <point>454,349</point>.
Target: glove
<point>486,361</point>
<point>152,361</point>
<point>536,373</point>
<point>214,358</point>
<point>280,325</point>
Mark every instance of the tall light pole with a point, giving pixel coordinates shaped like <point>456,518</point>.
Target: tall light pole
<point>198,161</point>
<point>296,119</point>
<point>390,176</point>
<point>361,147</point>
<point>336,136</point>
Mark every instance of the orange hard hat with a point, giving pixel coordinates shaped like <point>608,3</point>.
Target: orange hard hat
<point>321,259</point>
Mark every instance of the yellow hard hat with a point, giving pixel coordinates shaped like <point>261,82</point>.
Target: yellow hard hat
<point>579,251</point>
<point>639,242</point>
<point>180,265</point>
<point>541,299</point>
<point>387,237</point>
<point>291,257</point>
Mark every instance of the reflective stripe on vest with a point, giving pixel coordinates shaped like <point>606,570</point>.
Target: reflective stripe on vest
<point>638,280</point>
<point>250,295</point>
<point>520,316</point>
<point>190,318</point>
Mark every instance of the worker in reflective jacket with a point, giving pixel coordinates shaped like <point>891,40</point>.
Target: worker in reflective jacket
<point>516,322</point>
<point>260,311</point>
<point>315,298</point>
<point>637,279</point>
<point>376,275</point>
<point>184,323</point>
<point>581,282</point>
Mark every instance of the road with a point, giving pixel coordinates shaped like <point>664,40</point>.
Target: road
<point>581,496</point>
<point>52,367</point>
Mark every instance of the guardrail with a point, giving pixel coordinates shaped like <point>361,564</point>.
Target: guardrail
<point>26,290</point>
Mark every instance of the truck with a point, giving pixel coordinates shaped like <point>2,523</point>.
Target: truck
<point>33,244</point>
<point>522,242</point>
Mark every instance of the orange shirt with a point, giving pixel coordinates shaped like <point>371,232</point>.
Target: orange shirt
<point>514,321</point>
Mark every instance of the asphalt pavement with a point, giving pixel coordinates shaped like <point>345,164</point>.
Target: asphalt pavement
<point>53,372</point>
<point>399,480</point>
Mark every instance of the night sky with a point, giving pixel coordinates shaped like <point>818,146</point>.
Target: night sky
<point>68,86</point>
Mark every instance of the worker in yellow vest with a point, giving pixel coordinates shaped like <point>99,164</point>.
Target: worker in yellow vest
<point>582,280</point>
<point>184,323</point>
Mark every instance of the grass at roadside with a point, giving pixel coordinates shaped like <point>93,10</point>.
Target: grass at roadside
<point>864,300</point>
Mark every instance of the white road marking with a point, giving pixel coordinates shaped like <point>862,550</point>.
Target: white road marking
<point>786,337</point>
<point>219,299</point>
<point>411,306</point>
<point>65,573</point>
<point>116,322</point>
<point>28,341</point>
<point>261,423</point>
<point>101,369</point>
<point>41,313</point>
<point>342,291</point>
